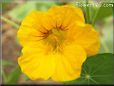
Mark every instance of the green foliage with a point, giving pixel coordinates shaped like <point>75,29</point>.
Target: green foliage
<point>44,6</point>
<point>10,22</point>
<point>19,12</point>
<point>94,14</point>
<point>7,62</point>
<point>6,1</point>
<point>26,78</point>
<point>98,69</point>
<point>103,13</point>
<point>14,76</point>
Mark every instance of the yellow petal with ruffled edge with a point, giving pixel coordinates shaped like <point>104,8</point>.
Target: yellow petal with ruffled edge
<point>86,37</point>
<point>32,27</point>
<point>37,65</point>
<point>69,63</point>
<point>64,16</point>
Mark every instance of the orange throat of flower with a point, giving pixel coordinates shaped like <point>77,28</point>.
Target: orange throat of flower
<point>54,39</point>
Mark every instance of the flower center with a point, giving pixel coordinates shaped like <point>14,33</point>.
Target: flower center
<point>55,38</point>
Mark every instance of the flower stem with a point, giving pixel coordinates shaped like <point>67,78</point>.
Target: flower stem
<point>93,23</point>
<point>10,22</point>
<point>94,19</point>
<point>87,13</point>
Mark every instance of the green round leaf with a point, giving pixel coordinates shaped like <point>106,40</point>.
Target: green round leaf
<point>98,69</point>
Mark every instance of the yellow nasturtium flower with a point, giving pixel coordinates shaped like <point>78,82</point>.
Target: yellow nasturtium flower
<point>56,43</point>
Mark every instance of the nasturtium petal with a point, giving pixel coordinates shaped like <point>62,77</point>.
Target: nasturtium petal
<point>37,66</point>
<point>66,15</point>
<point>69,63</point>
<point>32,27</point>
<point>86,37</point>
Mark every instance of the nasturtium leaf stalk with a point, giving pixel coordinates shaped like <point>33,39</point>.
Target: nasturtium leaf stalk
<point>56,43</point>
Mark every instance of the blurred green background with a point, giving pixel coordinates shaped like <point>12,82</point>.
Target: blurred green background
<point>13,12</point>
